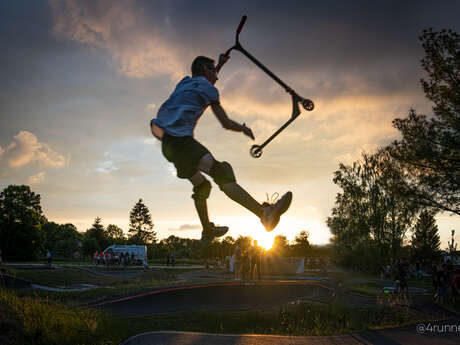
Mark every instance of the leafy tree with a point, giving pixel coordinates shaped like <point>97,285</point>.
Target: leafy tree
<point>140,225</point>
<point>227,246</point>
<point>90,244</point>
<point>61,238</point>
<point>173,243</point>
<point>425,238</point>
<point>430,146</point>
<point>209,250</point>
<point>301,244</point>
<point>115,234</point>
<point>98,232</point>
<point>21,219</point>
<point>244,242</point>
<point>280,246</point>
<point>371,216</point>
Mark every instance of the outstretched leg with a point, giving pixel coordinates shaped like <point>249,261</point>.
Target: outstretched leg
<point>222,174</point>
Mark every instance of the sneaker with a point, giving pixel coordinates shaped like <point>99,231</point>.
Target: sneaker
<point>274,210</point>
<point>207,235</point>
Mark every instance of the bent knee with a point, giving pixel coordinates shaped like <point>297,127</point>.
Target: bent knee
<point>222,173</point>
<point>202,191</point>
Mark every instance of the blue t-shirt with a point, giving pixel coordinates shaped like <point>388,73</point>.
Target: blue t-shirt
<point>179,114</point>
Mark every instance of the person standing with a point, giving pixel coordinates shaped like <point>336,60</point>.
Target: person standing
<point>443,282</point>
<point>237,262</point>
<point>173,259</point>
<point>455,285</point>
<point>48,258</point>
<point>122,259</point>
<point>256,261</point>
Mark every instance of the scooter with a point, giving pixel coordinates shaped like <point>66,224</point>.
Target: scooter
<point>256,150</point>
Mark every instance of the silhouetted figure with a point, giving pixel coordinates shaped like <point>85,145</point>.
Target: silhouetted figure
<point>442,277</point>
<point>174,127</point>
<point>256,261</point>
<point>49,258</point>
<point>237,262</point>
<point>455,285</point>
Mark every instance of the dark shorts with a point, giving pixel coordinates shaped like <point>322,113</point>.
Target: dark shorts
<point>184,152</point>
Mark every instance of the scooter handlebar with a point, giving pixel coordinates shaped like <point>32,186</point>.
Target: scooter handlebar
<point>240,27</point>
<point>238,30</point>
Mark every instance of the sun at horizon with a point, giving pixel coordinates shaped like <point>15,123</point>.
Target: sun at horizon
<point>265,240</point>
<point>289,226</point>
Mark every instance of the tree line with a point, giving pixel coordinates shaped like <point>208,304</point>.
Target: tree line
<point>26,234</point>
<point>401,187</point>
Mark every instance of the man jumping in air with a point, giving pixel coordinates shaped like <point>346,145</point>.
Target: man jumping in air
<point>174,125</point>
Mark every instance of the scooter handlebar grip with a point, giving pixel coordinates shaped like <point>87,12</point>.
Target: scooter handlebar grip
<point>240,27</point>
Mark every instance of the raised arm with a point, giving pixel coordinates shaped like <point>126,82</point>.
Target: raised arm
<point>223,58</point>
<point>228,123</point>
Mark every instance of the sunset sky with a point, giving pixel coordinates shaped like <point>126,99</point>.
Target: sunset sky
<point>80,81</point>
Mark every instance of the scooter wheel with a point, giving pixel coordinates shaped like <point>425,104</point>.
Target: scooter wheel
<point>256,151</point>
<point>308,105</point>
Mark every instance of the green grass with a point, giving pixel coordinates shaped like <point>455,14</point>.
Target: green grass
<point>368,288</point>
<point>70,276</point>
<point>111,285</point>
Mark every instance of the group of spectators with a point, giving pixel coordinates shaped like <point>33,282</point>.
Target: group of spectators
<point>110,258</point>
<point>247,263</point>
<point>445,277</point>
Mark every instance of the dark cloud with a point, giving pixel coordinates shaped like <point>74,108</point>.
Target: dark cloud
<point>313,46</point>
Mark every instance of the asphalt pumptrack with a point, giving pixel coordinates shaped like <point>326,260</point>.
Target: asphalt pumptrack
<point>214,291</point>
<point>256,295</point>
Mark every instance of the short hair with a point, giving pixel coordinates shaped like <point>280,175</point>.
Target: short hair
<point>199,63</point>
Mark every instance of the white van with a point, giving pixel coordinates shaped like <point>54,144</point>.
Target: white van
<point>140,252</point>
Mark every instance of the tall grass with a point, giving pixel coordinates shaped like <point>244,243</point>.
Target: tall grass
<point>305,319</point>
<point>43,321</point>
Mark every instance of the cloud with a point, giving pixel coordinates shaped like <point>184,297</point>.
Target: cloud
<point>37,178</point>
<point>106,167</point>
<point>186,227</point>
<point>119,28</point>
<point>26,149</point>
